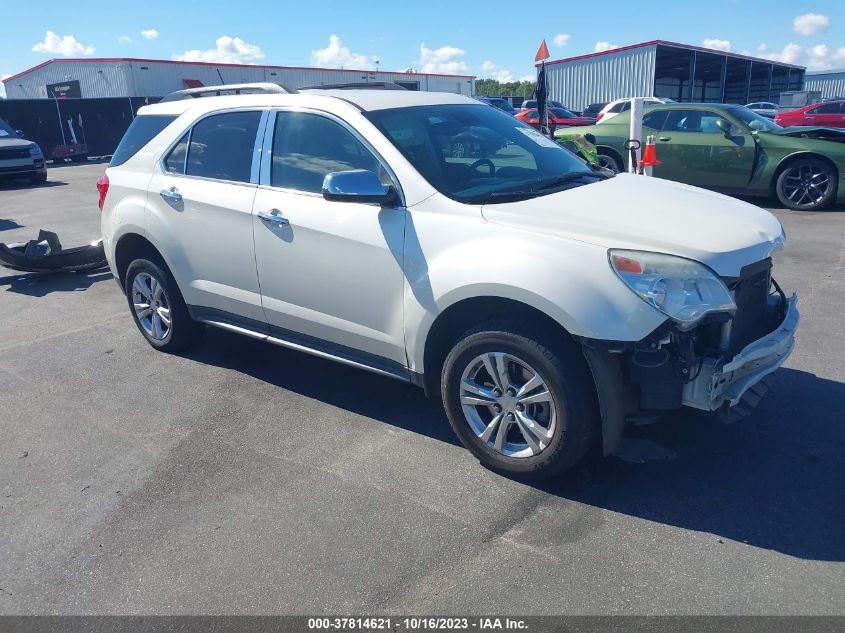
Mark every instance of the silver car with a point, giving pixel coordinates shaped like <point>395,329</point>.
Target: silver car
<point>19,158</point>
<point>764,108</point>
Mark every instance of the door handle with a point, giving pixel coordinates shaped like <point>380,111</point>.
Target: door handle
<point>172,195</point>
<point>665,138</point>
<point>273,217</point>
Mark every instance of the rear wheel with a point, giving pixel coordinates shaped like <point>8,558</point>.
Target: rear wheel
<point>808,184</point>
<point>523,406</point>
<point>158,308</point>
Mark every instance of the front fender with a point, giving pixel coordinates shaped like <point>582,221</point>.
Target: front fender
<point>467,257</point>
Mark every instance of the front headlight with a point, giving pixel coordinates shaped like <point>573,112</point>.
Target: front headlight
<point>35,151</point>
<point>682,289</point>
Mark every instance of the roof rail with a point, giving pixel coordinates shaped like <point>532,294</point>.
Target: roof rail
<point>260,87</point>
<point>371,85</point>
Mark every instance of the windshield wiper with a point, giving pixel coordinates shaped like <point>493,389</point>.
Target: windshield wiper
<point>540,190</point>
<point>565,178</point>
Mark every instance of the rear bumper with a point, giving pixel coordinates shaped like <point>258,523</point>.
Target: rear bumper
<point>724,384</point>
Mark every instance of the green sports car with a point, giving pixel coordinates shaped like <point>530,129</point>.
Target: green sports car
<point>731,149</point>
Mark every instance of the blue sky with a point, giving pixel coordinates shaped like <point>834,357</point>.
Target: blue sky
<point>488,39</point>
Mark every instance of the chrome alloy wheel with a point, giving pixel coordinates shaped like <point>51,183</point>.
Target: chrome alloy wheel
<point>151,305</point>
<point>508,405</point>
<point>806,185</point>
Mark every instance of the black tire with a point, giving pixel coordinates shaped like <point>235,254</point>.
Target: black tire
<point>609,161</point>
<point>40,179</point>
<point>563,369</point>
<point>798,185</point>
<point>79,158</point>
<point>182,332</point>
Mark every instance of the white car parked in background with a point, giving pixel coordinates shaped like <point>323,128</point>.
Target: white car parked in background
<point>764,108</point>
<point>543,300</point>
<point>623,105</point>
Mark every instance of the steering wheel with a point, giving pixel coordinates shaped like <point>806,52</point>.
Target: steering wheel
<point>484,161</point>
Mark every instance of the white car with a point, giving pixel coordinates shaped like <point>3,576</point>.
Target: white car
<point>764,108</point>
<point>543,300</point>
<point>623,105</point>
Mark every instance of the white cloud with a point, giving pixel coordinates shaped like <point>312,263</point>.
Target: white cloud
<point>810,24</point>
<point>502,75</point>
<point>561,39</point>
<point>149,34</point>
<point>124,39</point>
<point>227,50</point>
<point>762,48</point>
<point>717,44</point>
<point>605,46</point>
<point>336,55</point>
<point>445,59</point>
<point>66,46</point>
<point>819,57</point>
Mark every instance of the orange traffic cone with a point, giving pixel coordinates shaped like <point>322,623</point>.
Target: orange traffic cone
<point>649,158</point>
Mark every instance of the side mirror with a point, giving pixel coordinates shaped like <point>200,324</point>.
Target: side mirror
<point>357,185</point>
<point>725,127</point>
<point>19,133</point>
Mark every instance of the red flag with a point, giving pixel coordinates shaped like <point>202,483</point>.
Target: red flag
<point>542,52</point>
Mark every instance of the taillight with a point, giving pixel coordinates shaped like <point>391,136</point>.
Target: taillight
<point>103,188</point>
<point>598,118</point>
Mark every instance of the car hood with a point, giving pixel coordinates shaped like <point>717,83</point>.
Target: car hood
<point>642,213</point>
<point>14,143</point>
<point>808,131</point>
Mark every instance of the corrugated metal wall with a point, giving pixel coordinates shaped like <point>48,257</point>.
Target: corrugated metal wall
<point>106,79</point>
<point>579,83</point>
<point>155,79</point>
<point>829,84</point>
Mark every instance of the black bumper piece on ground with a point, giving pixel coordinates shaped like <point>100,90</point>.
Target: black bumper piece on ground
<point>46,254</point>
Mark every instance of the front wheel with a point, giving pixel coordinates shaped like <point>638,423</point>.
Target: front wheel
<point>807,185</point>
<point>609,162</point>
<point>158,308</point>
<point>523,406</point>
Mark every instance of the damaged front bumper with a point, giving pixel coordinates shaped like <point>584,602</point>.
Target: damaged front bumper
<point>721,384</point>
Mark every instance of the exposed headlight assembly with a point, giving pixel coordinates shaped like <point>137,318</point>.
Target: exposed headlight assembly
<point>35,151</point>
<point>682,289</point>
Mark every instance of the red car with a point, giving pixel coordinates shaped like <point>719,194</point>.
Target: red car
<point>827,114</point>
<point>558,117</point>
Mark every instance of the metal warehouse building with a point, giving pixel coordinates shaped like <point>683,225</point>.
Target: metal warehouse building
<point>671,70</point>
<point>831,83</point>
<point>125,77</point>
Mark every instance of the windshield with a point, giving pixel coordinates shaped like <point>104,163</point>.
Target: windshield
<point>754,121</point>
<point>477,154</point>
<point>5,130</point>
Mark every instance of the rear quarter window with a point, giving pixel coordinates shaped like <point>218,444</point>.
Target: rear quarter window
<point>142,130</point>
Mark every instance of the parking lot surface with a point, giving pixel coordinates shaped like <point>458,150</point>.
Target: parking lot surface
<point>245,478</point>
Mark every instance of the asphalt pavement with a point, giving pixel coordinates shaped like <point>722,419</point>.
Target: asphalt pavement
<point>244,478</point>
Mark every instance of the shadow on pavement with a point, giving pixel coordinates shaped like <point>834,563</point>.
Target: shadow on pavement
<point>773,481</point>
<point>42,284</point>
<point>13,185</point>
<point>8,225</point>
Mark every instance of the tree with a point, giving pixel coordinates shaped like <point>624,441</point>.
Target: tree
<point>493,88</point>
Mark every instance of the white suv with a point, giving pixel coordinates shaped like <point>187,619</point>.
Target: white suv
<point>543,300</point>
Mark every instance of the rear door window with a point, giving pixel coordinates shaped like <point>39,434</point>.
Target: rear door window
<point>222,146</point>
<point>142,130</point>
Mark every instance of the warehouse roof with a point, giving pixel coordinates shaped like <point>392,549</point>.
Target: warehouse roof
<point>674,45</point>
<point>102,60</point>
